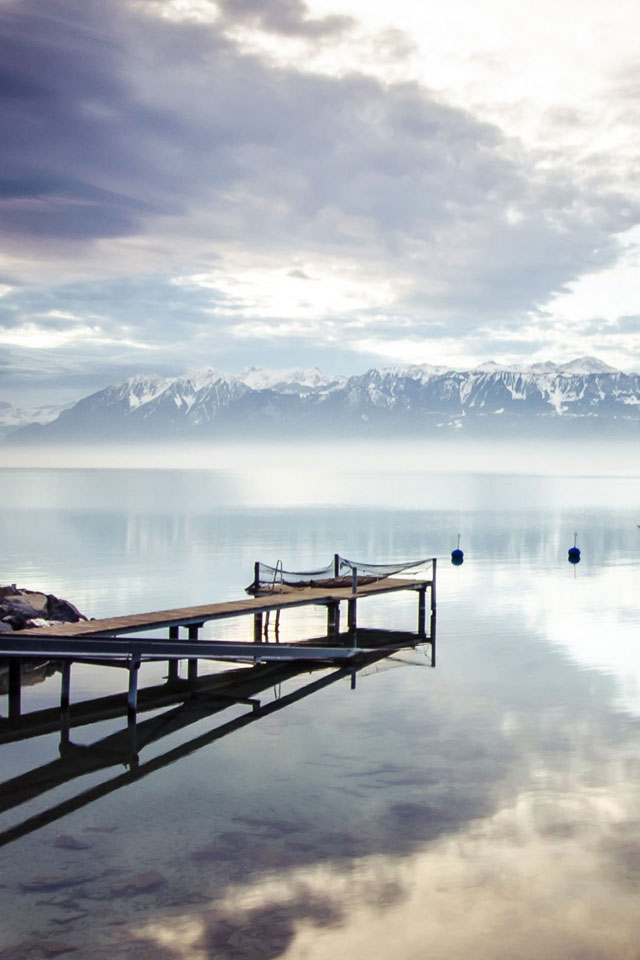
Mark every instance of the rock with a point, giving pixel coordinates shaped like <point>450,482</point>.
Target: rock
<point>62,610</point>
<point>5,627</point>
<point>20,608</point>
<point>11,591</point>
<point>38,602</point>
<point>15,620</point>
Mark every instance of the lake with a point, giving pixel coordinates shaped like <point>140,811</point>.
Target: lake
<point>488,807</point>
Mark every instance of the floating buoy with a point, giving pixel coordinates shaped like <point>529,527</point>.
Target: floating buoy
<point>457,555</point>
<point>574,551</point>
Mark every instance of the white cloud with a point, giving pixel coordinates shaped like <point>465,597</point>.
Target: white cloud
<point>34,336</point>
<point>323,290</point>
<point>451,183</point>
<point>606,294</point>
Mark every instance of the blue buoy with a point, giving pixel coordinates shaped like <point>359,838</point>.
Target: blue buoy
<point>574,551</point>
<point>457,555</point>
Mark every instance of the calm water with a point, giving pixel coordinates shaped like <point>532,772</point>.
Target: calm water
<point>489,807</point>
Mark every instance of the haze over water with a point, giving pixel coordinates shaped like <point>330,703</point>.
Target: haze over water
<point>487,807</point>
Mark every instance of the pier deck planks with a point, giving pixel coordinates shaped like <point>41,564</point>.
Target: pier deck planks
<point>185,616</point>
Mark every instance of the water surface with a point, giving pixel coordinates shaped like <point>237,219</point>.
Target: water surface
<point>489,807</point>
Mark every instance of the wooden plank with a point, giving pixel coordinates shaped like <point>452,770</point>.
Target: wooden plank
<point>112,626</point>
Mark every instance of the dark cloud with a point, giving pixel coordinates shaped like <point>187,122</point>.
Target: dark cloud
<point>287,17</point>
<point>121,123</point>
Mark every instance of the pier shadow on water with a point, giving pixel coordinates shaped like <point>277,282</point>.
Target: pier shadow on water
<point>176,705</point>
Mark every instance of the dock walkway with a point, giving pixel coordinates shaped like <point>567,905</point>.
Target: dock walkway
<point>109,640</point>
<point>287,598</point>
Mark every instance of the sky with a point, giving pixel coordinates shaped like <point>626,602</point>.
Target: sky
<point>343,185</point>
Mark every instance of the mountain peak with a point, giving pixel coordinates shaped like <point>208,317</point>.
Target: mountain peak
<point>583,366</point>
<point>258,378</point>
<point>490,366</point>
<point>204,377</point>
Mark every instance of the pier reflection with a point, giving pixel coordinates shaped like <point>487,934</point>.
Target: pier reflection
<point>177,704</point>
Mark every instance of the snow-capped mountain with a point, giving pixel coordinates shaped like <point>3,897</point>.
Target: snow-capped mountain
<point>584,366</point>
<point>12,417</point>
<point>542,398</point>
<point>289,381</point>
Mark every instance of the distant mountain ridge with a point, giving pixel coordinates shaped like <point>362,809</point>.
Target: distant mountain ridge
<point>490,399</point>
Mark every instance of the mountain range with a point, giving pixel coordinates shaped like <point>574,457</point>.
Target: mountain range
<point>584,395</point>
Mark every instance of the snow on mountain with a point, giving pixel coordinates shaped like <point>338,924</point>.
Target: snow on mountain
<point>490,366</point>
<point>584,366</point>
<point>416,371</point>
<point>203,377</point>
<point>11,417</point>
<point>140,389</point>
<point>546,366</point>
<point>418,397</point>
<point>257,378</point>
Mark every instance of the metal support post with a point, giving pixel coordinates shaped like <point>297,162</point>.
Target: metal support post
<point>192,672</point>
<point>422,605</point>
<point>432,637</point>
<point>432,621</point>
<point>15,688</point>
<point>172,665</point>
<point>132,699</point>
<point>352,615</point>
<point>257,628</point>
<point>65,714</point>
<point>352,606</point>
<point>333,617</point>
<point>433,585</point>
<point>65,685</point>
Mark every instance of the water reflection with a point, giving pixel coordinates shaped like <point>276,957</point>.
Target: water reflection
<point>177,705</point>
<point>489,808</point>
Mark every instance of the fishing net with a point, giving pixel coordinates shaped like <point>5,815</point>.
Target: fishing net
<point>340,573</point>
<point>379,571</point>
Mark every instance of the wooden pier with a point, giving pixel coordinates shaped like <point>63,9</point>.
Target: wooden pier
<point>261,662</point>
<point>108,640</point>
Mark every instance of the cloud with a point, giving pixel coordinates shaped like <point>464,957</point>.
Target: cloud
<point>139,144</point>
<point>288,17</point>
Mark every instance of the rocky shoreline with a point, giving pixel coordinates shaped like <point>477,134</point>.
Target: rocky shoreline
<point>23,609</point>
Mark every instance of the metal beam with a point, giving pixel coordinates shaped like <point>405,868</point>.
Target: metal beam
<point>158,649</point>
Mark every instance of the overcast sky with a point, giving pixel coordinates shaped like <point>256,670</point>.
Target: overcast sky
<point>343,184</point>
